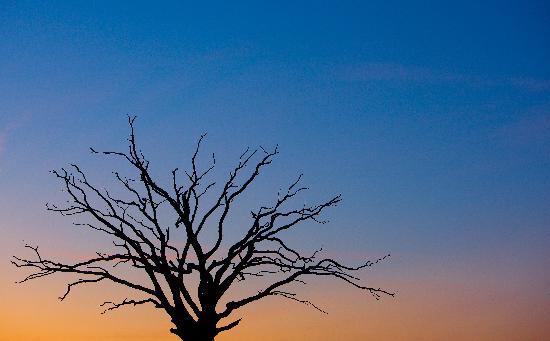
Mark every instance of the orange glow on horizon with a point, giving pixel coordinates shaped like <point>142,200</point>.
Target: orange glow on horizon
<point>426,308</point>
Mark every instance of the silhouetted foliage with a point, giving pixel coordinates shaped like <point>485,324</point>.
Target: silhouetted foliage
<point>144,241</point>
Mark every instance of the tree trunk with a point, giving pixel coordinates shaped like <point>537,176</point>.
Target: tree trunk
<point>197,337</point>
<point>201,331</point>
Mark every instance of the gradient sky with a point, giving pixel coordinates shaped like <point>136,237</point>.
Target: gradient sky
<point>432,120</point>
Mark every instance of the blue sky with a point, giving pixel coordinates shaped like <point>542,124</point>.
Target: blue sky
<point>433,119</point>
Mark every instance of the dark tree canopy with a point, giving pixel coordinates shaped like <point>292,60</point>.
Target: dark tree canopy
<point>171,253</point>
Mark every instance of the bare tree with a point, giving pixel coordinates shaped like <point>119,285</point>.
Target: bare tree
<point>169,252</point>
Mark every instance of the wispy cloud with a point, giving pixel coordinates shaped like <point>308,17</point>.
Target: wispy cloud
<point>530,83</point>
<point>416,74</point>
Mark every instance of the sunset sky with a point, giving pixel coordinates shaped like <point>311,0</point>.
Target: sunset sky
<point>431,119</point>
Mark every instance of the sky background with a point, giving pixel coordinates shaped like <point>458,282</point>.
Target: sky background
<point>432,120</point>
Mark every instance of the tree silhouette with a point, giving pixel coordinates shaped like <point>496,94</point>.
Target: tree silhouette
<point>156,230</point>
